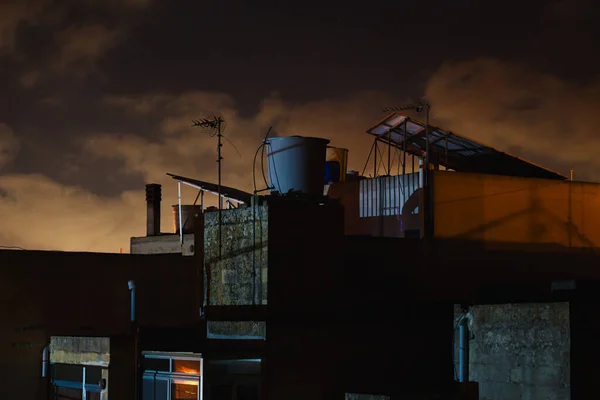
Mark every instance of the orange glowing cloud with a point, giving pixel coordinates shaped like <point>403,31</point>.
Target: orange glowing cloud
<point>539,117</point>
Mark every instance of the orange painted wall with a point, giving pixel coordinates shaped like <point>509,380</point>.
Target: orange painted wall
<point>500,209</point>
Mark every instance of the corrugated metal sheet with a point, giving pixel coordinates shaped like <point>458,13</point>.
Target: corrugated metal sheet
<point>385,195</point>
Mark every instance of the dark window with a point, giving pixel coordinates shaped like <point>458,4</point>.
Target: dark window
<point>93,375</point>
<point>63,393</point>
<point>157,364</point>
<point>67,372</point>
<point>155,389</point>
<point>93,396</point>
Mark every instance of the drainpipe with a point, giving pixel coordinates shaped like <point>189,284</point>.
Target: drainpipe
<point>131,286</point>
<point>45,361</point>
<point>463,362</point>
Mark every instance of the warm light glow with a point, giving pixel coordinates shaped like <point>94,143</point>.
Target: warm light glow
<point>185,390</point>
<point>185,382</point>
<point>185,370</point>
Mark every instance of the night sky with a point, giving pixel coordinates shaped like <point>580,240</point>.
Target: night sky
<point>97,95</point>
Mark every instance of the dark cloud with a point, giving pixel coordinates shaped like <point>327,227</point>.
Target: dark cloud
<point>59,213</point>
<point>98,95</point>
<point>537,116</point>
<point>40,39</point>
<point>540,116</point>
<point>9,145</point>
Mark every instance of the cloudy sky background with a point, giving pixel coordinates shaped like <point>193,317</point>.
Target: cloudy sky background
<point>97,96</point>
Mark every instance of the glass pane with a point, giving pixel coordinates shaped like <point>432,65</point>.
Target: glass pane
<point>155,389</point>
<point>93,396</point>
<point>93,375</point>
<point>186,366</point>
<point>148,389</point>
<point>183,391</point>
<point>157,364</point>
<point>67,393</point>
<point>68,372</point>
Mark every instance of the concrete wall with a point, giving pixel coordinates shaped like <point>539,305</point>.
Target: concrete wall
<point>354,396</point>
<point>163,244</point>
<point>327,337</point>
<point>493,208</point>
<point>520,351</point>
<point>231,277</point>
<point>80,350</point>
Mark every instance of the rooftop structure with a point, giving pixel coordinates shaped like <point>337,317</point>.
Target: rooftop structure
<point>454,151</point>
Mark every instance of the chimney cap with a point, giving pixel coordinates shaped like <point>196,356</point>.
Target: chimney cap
<point>153,192</point>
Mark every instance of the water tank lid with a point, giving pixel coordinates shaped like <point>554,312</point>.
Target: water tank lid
<point>299,137</point>
<point>338,148</point>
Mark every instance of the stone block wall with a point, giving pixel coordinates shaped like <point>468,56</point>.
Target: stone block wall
<point>242,260</point>
<point>163,244</point>
<point>80,350</point>
<point>353,396</point>
<point>519,351</point>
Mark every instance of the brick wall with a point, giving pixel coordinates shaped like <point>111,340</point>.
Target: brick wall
<point>520,351</point>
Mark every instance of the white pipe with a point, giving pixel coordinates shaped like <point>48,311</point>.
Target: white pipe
<point>84,392</point>
<point>45,361</point>
<point>463,361</point>
<point>180,218</point>
<point>131,286</point>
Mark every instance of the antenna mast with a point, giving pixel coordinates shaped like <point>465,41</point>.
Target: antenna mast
<point>423,105</point>
<point>216,124</point>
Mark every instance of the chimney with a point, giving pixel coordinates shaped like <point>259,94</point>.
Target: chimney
<point>153,197</point>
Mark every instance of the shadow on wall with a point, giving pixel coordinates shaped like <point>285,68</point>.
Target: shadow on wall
<point>239,277</point>
<point>493,208</point>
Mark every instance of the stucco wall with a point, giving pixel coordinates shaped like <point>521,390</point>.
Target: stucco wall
<point>519,351</point>
<point>492,208</point>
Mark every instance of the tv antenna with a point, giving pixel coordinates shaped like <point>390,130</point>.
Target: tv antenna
<point>422,105</point>
<point>216,125</point>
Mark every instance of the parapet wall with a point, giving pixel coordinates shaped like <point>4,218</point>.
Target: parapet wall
<point>559,215</point>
